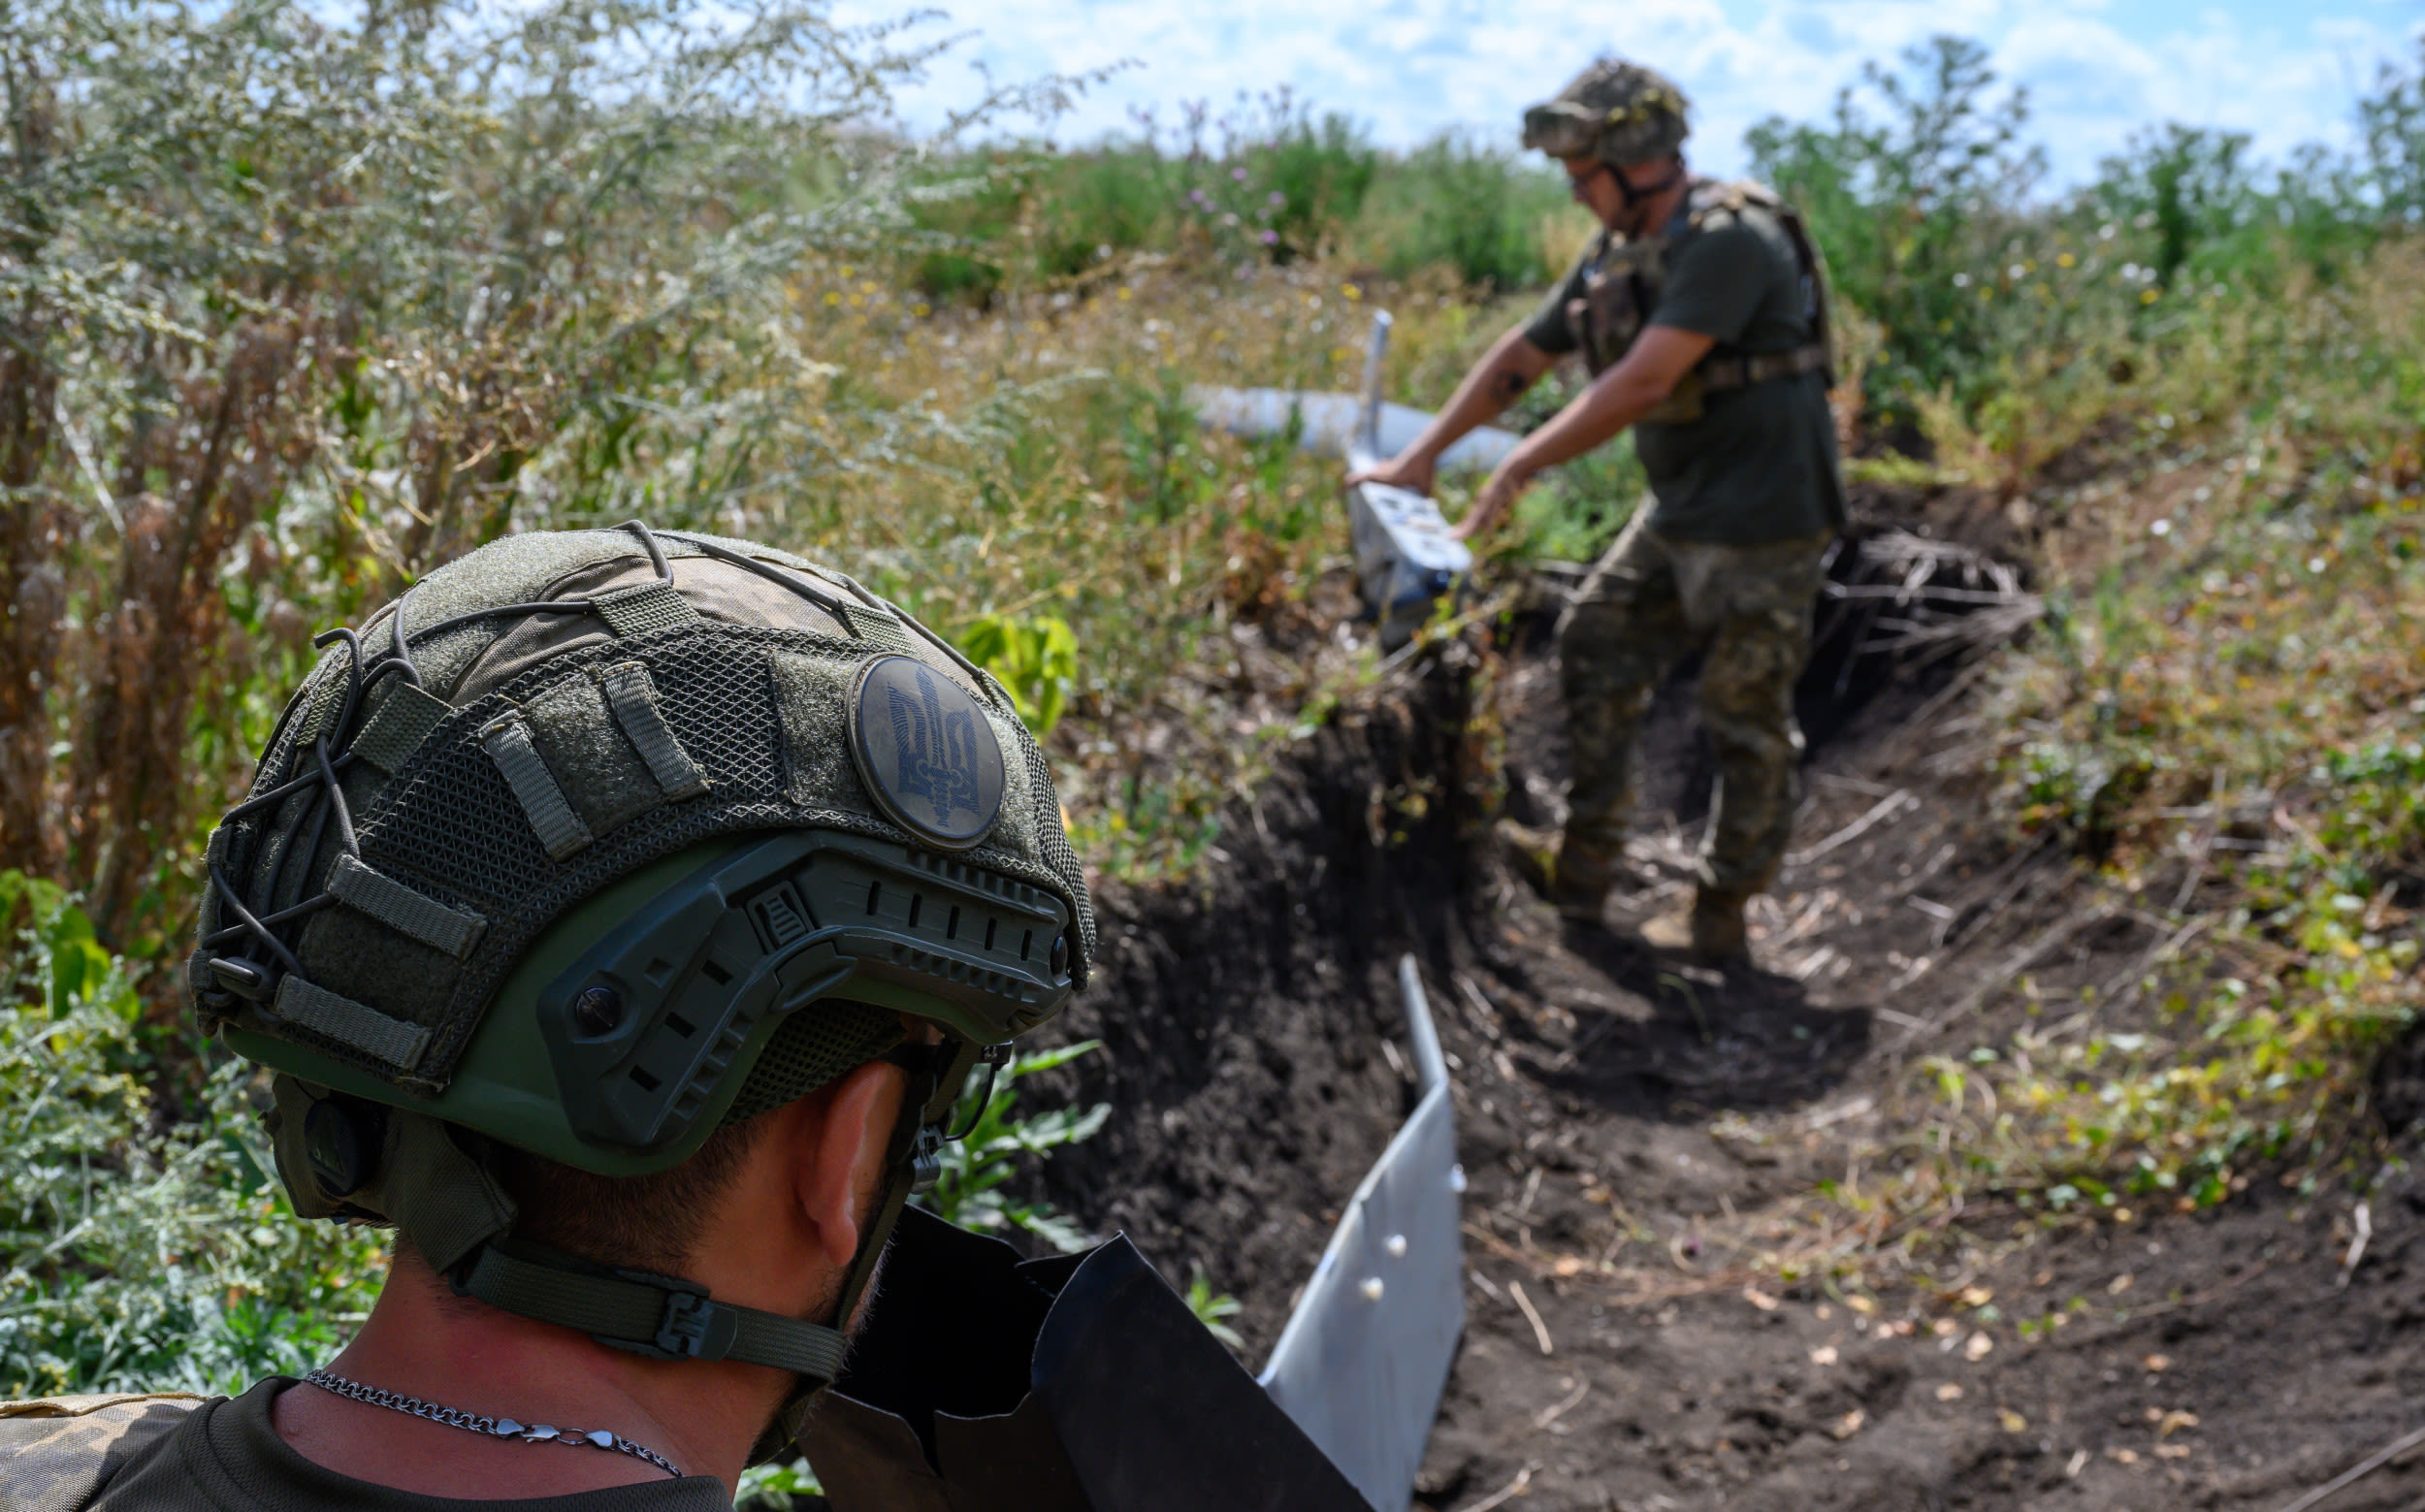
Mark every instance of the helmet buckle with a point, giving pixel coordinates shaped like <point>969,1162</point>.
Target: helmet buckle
<point>692,1327</point>
<point>925,1160</point>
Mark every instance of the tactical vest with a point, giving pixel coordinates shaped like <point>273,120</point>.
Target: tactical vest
<point>60,1453</point>
<point>1627,274</point>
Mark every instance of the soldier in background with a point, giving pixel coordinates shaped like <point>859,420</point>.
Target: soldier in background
<point>1700,311</point>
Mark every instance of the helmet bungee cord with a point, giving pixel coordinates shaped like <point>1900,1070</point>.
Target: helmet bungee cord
<point>640,835</point>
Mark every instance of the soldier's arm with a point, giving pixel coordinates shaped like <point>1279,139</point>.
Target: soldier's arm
<point>1619,396</point>
<point>1511,365</point>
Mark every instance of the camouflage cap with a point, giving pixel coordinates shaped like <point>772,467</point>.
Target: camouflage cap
<point>1617,112</point>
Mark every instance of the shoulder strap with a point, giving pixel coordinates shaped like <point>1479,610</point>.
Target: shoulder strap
<point>58,1454</point>
<point>1709,196</point>
<point>1814,272</point>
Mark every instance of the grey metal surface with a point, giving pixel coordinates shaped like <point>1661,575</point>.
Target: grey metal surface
<point>1362,1363</point>
<point>1333,423</point>
<point>1405,558</point>
<point>1431,1066</point>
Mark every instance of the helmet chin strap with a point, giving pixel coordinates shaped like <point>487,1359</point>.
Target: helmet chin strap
<point>1635,195</point>
<point>669,1318</point>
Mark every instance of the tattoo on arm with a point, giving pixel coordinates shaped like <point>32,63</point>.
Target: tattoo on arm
<point>1507,385</point>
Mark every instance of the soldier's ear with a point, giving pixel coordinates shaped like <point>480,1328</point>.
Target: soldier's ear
<point>836,1151</point>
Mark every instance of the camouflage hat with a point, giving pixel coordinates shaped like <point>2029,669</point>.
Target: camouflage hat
<point>1617,112</point>
<point>596,840</point>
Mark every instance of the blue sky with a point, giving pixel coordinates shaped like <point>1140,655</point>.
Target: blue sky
<point>2097,69</point>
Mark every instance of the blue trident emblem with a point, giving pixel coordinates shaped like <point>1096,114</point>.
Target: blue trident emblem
<point>936,753</point>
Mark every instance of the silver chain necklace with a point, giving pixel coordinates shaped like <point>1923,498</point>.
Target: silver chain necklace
<point>494,1427</point>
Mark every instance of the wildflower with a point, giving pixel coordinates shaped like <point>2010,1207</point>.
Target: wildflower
<point>1237,174</point>
<point>1962,280</point>
<point>1351,291</point>
<point>2160,528</point>
<point>832,297</point>
<point>1270,238</point>
<point>2016,272</point>
<point>2065,260</point>
<point>1276,199</point>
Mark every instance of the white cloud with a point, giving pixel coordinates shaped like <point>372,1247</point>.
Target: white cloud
<point>1407,68</point>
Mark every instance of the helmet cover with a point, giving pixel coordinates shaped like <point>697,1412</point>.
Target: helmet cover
<point>454,844</point>
<point>1617,112</point>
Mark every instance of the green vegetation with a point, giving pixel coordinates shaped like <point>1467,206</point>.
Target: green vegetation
<point>1265,181</point>
<point>2217,719</point>
<point>1212,1308</point>
<point>293,309</point>
<point>142,1244</point>
<point>977,1166</point>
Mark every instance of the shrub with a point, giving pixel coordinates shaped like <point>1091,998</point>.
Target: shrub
<point>1466,205</point>
<point>143,1247</point>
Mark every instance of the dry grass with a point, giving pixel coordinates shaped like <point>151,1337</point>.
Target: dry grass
<point>1038,460</point>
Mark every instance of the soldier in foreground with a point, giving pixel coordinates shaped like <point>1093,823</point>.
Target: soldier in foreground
<point>1701,314</point>
<point>620,915</point>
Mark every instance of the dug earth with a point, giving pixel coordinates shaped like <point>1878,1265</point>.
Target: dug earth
<point>1652,1146</point>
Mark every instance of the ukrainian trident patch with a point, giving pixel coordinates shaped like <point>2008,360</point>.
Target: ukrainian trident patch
<point>924,751</point>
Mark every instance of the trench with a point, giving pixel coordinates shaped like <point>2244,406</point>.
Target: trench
<point>1249,1018</point>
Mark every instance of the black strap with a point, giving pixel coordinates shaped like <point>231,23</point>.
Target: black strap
<point>649,1315</point>
<point>1717,373</point>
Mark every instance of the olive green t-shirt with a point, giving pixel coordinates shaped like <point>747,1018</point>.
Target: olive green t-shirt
<point>225,1456</point>
<point>1760,465</point>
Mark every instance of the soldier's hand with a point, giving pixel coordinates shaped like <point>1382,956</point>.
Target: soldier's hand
<point>1492,503</point>
<point>1408,470</point>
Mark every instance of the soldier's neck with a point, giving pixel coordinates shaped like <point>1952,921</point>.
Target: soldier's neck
<point>1659,210</point>
<point>421,1341</point>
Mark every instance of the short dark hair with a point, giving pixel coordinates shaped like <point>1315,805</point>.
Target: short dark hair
<point>646,1223</point>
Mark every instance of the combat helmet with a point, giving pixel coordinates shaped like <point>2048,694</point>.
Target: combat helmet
<point>1617,112</point>
<point>596,840</point>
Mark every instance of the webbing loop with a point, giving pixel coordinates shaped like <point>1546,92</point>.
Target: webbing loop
<point>535,786</point>
<point>631,698</point>
<point>355,1025</point>
<point>409,913</point>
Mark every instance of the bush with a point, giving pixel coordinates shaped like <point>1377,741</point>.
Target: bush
<point>142,1247</point>
<point>1908,209</point>
<point>1461,204</point>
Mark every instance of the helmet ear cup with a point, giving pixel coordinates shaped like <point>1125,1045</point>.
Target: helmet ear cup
<point>330,1149</point>
<point>341,1145</point>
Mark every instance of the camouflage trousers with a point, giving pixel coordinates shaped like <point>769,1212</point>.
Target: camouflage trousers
<point>1648,602</point>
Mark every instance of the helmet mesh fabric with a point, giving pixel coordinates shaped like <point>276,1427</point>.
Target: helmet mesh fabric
<point>810,1049</point>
